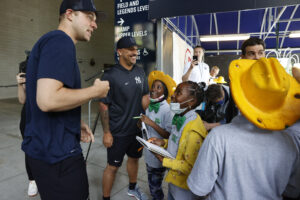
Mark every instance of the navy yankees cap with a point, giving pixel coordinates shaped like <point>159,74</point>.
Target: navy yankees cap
<point>126,42</point>
<point>80,5</point>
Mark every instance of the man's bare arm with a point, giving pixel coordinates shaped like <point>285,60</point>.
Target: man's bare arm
<point>53,96</point>
<point>186,76</point>
<point>107,136</point>
<point>103,108</point>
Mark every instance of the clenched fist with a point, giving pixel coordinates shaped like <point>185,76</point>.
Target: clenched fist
<point>101,88</point>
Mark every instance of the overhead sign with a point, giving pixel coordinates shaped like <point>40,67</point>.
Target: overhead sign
<point>170,8</point>
<point>131,19</point>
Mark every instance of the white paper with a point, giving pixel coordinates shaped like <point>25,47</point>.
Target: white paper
<point>145,131</point>
<point>154,148</point>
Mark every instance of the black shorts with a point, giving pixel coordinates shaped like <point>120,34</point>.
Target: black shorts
<point>122,145</point>
<point>65,180</point>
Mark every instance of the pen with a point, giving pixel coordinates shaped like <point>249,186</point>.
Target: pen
<point>150,140</point>
<point>140,148</point>
<point>137,117</point>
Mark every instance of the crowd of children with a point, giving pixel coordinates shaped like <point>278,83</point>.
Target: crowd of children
<point>179,129</point>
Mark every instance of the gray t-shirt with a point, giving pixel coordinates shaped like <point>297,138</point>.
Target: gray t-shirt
<point>240,161</point>
<point>294,132</point>
<point>293,189</point>
<point>162,118</point>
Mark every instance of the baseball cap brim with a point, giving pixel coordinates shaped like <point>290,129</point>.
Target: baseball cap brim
<point>101,15</point>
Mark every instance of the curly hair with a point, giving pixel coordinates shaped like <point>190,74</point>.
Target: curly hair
<point>214,92</point>
<point>197,91</point>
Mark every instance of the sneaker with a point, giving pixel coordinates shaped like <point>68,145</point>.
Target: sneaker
<point>137,193</point>
<point>32,189</point>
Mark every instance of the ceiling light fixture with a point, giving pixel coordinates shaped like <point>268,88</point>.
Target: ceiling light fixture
<point>226,37</point>
<point>294,34</point>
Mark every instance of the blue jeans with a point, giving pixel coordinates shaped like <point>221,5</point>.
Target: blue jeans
<point>155,178</point>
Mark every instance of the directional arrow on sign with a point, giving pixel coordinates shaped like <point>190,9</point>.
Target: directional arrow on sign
<point>121,21</point>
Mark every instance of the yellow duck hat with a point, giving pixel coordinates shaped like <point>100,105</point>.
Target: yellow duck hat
<point>166,79</point>
<point>219,79</point>
<point>265,94</point>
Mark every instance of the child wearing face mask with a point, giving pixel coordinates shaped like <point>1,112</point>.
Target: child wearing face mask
<point>187,135</point>
<point>158,120</point>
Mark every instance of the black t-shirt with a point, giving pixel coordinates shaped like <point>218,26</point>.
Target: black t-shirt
<point>124,99</point>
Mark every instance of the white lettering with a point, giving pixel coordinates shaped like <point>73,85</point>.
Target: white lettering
<point>126,11</point>
<point>124,28</point>
<point>122,5</point>
<point>134,3</point>
<point>133,34</point>
<point>143,8</point>
<point>139,33</point>
<point>138,80</point>
<point>124,34</point>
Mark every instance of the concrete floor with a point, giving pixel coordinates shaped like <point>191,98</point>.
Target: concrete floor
<point>13,177</point>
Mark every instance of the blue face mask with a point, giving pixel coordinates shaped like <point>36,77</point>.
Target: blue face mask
<point>220,102</point>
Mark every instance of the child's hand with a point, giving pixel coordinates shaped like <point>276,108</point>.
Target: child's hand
<point>159,157</point>
<point>146,119</point>
<point>157,141</point>
<point>206,125</point>
<point>150,140</point>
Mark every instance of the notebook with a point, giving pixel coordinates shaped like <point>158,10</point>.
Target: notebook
<point>154,148</point>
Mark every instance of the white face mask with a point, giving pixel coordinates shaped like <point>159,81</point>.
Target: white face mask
<point>175,107</point>
<point>157,99</point>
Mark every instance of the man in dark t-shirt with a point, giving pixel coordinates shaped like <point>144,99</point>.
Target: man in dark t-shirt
<point>53,89</point>
<point>124,101</point>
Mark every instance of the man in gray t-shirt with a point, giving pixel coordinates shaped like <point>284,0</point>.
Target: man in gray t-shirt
<point>253,157</point>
